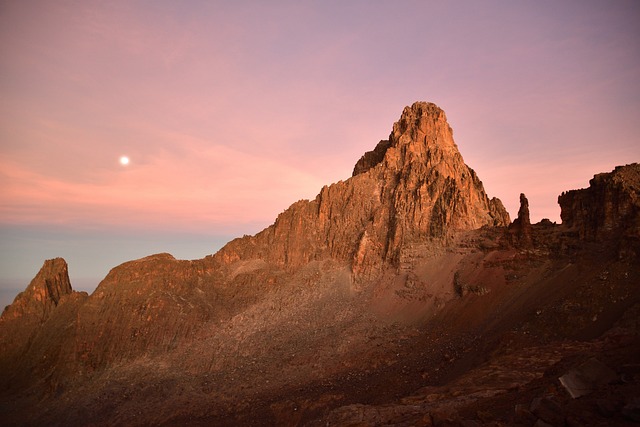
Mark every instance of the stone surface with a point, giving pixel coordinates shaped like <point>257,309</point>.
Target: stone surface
<point>30,328</point>
<point>609,207</point>
<point>521,226</point>
<point>412,187</point>
<point>43,294</point>
<point>587,377</point>
<point>548,410</point>
<point>523,213</point>
<point>371,158</point>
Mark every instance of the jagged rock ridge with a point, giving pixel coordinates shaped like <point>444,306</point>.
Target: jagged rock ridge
<point>610,206</point>
<point>30,314</point>
<point>44,292</point>
<point>412,187</point>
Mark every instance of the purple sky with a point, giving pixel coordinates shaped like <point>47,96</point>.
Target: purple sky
<point>231,111</point>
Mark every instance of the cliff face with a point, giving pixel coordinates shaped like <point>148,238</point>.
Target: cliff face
<point>413,187</point>
<point>43,294</point>
<point>610,207</point>
<point>31,329</point>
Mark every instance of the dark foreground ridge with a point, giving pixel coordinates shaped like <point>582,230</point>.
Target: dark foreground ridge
<point>403,295</point>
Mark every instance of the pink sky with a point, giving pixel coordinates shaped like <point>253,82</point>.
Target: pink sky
<point>231,111</point>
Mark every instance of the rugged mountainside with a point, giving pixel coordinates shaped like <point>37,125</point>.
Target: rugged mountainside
<point>400,296</point>
<point>32,308</point>
<point>414,187</point>
<point>43,294</point>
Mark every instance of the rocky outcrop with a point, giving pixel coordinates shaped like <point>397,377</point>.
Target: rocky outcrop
<point>498,212</point>
<point>520,229</point>
<point>43,294</point>
<point>371,158</point>
<point>523,219</point>
<point>36,320</point>
<point>413,187</point>
<point>610,207</point>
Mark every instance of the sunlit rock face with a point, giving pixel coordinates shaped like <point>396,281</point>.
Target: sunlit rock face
<point>43,294</point>
<point>34,328</point>
<point>412,187</point>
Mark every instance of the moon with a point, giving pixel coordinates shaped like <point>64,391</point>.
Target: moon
<point>124,160</point>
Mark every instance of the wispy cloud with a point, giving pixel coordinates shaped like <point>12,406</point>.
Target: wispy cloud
<point>203,186</point>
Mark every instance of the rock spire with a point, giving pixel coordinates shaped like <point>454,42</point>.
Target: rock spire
<point>521,226</point>
<point>44,292</point>
<point>411,187</point>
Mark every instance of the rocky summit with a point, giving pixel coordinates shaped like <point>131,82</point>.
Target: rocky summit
<point>413,188</point>
<point>403,295</point>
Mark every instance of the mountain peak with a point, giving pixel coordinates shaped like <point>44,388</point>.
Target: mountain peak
<point>411,187</point>
<point>418,120</point>
<point>421,126</point>
<point>44,292</point>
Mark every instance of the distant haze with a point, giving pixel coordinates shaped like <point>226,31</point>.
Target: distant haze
<point>228,112</point>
